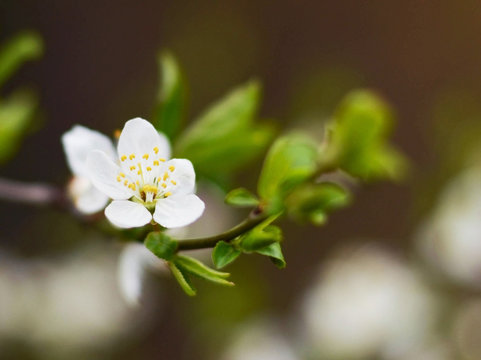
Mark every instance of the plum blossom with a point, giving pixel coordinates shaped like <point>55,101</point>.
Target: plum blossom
<point>144,181</point>
<point>77,143</point>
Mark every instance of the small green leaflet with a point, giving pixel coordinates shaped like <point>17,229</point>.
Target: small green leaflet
<point>223,254</point>
<point>161,245</point>
<point>241,198</point>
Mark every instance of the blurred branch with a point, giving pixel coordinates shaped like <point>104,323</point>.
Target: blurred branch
<point>33,194</point>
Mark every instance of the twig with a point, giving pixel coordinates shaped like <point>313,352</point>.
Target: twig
<point>33,194</point>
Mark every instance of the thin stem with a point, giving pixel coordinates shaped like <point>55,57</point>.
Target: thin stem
<point>254,219</point>
<point>32,193</point>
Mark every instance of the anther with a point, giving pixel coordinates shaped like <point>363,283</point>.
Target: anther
<point>164,185</point>
<point>118,178</point>
<point>123,158</point>
<point>148,168</point>
<point>131,156</point>
<point>171,168</point>
<point>174,182</point>
<point>146,156</point>
<point>156,163</point>
<point>132,167</point>
<point>162,159</point>
<point>156,149</point>
<point>122,174</point>
<point>166,176</point>
<point>167,194</point>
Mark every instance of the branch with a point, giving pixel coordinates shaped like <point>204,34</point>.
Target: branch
<point>254,219</point>
<point>33,194</point>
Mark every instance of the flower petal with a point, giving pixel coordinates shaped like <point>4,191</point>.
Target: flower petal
<point>79,141</point>
<point>181,177</point>
<point>134,260</point>
<point>103,173</point>
<point>88,200</point>
<point>139,137</point>
<point>178,211</point>
<point>127,214</point>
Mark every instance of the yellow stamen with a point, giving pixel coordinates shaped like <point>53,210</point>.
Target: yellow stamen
<point>167,194</point>
<point>131,156</point>
<point>149,168</point>
<point>166,176</point>
<point>146,156</point>
<point>174,182</point>
<point>132,167</point>
<point>164,185</point>
<point>122,174</point>
<point>118,178</point>
<point>123,158</point>
<point>156,149</point>
<point>138,183</point>
<point>139,172</point>
<point>126,182</point>
<point>156,163</point>
<point>149,188</point>
<point>162,159</point>
<point>171,168</point>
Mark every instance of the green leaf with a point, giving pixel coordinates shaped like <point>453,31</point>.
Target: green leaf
<point>274,251</point>
<point>363,123</point>
<point>161,245</point>
<point>223,254</point>
<point>183,279</point>
<point>260,237</point>
<point>242,198</point>
<point>171,98</point>
<point>225,138</point>
<point>23,47</point>
<point>16,114</point>
<point>312,202</point>
<point>195,267</point>
<point>290,161</point>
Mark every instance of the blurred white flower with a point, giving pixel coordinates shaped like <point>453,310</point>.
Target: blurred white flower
<point>134,261</point>
<point>66,307</point>
<point>77,143</point>
<point>451,238</point>
<point>259,340</point>
<point>367,303</point>
<point>145,181</point>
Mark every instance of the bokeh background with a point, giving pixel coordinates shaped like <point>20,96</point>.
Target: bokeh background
<point>57,279</point>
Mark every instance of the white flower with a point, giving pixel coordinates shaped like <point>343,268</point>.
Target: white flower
<point>368,303</point>
<point>145,181</point>
<point>77,143</point>
<point>134,260</point>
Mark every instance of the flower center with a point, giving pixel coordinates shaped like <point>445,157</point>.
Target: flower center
<point>147,176</point>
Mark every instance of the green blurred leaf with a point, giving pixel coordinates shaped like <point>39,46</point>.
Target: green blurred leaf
<point>274,251</point>
<point>195,267</point>
<point>21,48</point>
<point>171,98</point>
<point>16,114</point>
<point>363,123</point>
<point>242,198</point>
<point>312,202</point>
<point>183,279</point>
<point>223,254</point>
<point>161,245</point>
<point>225,138</point>
<point>259,238</point>
<point>290,161</point>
